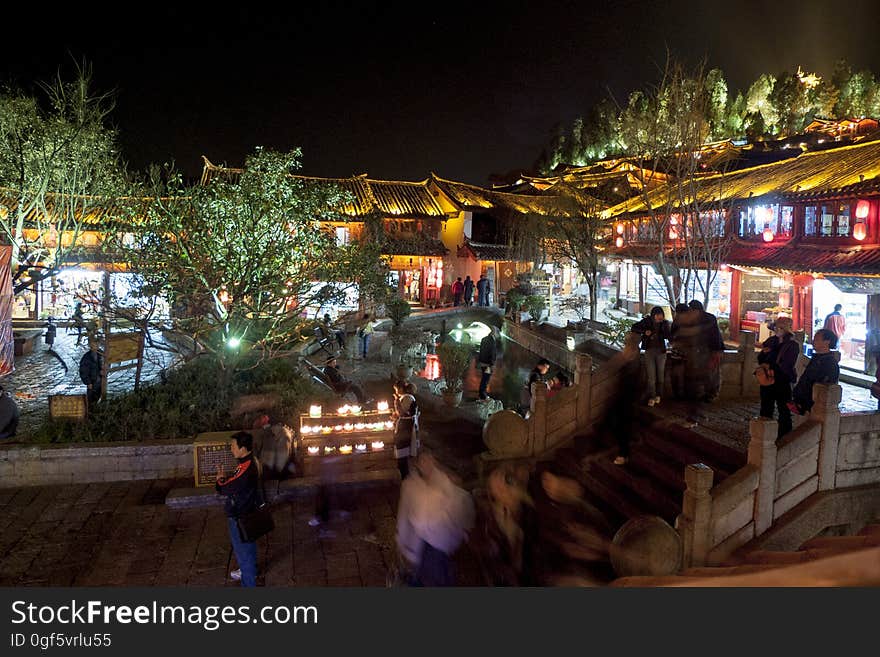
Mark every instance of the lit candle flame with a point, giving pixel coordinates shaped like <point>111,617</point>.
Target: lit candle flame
<point>345,449</point>
<point>315,410</point>
<point>382,406</point>
<point>361,447</point>
<point>313,449</point>
<point>378,444</point>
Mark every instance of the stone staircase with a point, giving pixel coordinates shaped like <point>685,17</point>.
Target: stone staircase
<point>652,482</point>
<point>863,547</point>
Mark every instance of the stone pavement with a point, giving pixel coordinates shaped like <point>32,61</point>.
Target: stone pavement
<point>123,534</point>
<point>40,374</point>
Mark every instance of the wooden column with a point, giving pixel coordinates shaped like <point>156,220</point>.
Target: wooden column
<point>735,303</point>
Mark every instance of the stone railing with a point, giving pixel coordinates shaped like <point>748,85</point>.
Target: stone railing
<point>826,452</point>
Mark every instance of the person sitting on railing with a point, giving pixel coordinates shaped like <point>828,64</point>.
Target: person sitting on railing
<point>340,384</point>
<point>823,368</point>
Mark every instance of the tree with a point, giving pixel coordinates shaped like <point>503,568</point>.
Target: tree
<point>59,164</point>
<point>681,211</point>
<point>243,259</point>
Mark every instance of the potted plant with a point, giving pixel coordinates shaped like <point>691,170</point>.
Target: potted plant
<point>455,360</point>
<point>515,299</point>
<point>535,304</point>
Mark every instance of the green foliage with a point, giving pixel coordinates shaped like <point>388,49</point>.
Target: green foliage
<point>724,327</point>
<point>398,309</point>
<point>536,304</point>
<point>238,256</point>
<point>579,304</point>
<point>195,398</point>
<point>617,329</point>
<point>455,360</point>
<point>515,298</point>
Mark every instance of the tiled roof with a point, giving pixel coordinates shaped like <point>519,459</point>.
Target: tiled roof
<point>797,257</point>
<point>811,174</point>
<point>483,251</point>
<point>100,211</point>
<point>388,198</point>
<point>421,245</point>
<point>480,199</point>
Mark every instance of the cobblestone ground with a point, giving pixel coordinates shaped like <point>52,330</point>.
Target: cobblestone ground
<point>122,534</point>
<point>40,374</point>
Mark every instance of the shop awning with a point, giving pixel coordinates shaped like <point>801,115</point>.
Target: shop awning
<point>855,284</point>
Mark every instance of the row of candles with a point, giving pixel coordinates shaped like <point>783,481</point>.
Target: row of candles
<point>315,410</point>
<point>376,445</point>
<point>340,428</point>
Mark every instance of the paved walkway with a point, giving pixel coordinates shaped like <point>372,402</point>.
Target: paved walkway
<point>122,534</point>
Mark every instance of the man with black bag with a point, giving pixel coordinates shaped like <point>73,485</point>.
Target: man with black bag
<point>246,510</point>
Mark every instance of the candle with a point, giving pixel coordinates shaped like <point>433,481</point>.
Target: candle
<point>345,449</point>
<point>347,427</point>
<point>389,424</point>
<point>378,444</point>
<point>361,447</point>
<point>315,410</point>
<point>314,449</point>
<point>382,406</point>
<point>359,426</point>
<point>338,427</point>
<point>343,410</point>
<point>329,448</point>
<point>355,409</point>
<point>326,429</point>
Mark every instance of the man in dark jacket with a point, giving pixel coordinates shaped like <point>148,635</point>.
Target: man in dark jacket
<point>91,367</point>
<point>655,331</point>
<point>823,368</point>
<point>712,343</point>
<point>340,384</point>
<point>468,290</point>
<point>457,291</point>
<point>242,492</point>
<point>9,415</point>
<point>486,361</point>
<point>483,291</point>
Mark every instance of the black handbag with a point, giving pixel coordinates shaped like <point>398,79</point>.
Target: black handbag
<point>255,524</point>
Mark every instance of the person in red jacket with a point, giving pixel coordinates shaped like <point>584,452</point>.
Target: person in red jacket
<point>457,291</point>
<point>835,322</point>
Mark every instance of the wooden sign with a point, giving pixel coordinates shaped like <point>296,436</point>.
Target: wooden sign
<point>210,450</point>
<point>127,348</point>
<point>68,407</point>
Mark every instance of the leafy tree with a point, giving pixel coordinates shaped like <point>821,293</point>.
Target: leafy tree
<point>59,164</point>
<point>243,258</point>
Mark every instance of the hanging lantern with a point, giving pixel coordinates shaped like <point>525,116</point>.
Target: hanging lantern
<point>673,234</point>
<point>618,242</point>
<point>767,234</point>
<point>620,229</point>
<point>862,208</point>
<point>860,231</point>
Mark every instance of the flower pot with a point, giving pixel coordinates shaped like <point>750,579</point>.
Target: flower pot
<point>452,398</point>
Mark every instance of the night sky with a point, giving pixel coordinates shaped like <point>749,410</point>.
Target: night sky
<point>399,90</point>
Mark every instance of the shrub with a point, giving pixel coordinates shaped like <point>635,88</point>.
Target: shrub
<point>536,304</point>
<point>397,309</point>
<point>455,360</point>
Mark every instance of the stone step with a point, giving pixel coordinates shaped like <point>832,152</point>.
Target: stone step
<point>870,530</point>
<point>685,455</point>
<point>842,543</point>
<point>648,460</point>
<point>660,500</point>
<point>775,558</point>
<point>724,457</point>
<point>723,571</point>
<point>609,490</point>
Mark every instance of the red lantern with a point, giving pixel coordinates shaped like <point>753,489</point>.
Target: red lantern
<point>673,234</point>
<point>862,208</point>
<point>618,242</point>
<point>767,234</point>
<point>860,231</point>
<point>620,229</point>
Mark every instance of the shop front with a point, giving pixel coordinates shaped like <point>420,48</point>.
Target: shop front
<point>859,297</point>
<point>417,279</point>
<point>760,297</point>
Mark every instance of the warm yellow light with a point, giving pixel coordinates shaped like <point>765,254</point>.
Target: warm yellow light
<point>315,410</point>
<point>620,229</point>
<point>767,234</point>
<point>347,427</point>
<point>862,208</point>
<point>377,444</point>
<point>382,406</point>
<point>618,242</point>
<point>859,231</point>
<point>354,409</point>
<point>314,449</point>
<point>343,410</point>
<point>329,449</point>
<point>361,447</point>
<point>389,424</point>
<point>345,449</point>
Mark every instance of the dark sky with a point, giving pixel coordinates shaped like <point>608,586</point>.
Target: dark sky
<point>399,90</point>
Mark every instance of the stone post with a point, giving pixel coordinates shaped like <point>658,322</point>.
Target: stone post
<point>762,455</point>
<point>538,419</point>
<point>583,379</point>
<point>748,382</point>
<point>695,521</point>
<point>826,409</point>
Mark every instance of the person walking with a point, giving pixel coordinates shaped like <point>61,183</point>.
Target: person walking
<point>655,330</point>
<point>483,290</point>
<point>91,369</point>
<point>242,492</point>
<point>836,322</point>
<point>822,368</point>
<point>406,425</point>
<point>712,343</point>
<point>486,361</point>
<point>365,332</point>
<point>468,291</point>
<point>617,422</point>
<point>79,322</point>
<point>676,357</point>
<point>9,415</point>
<point>779,353</point>
<point>457,291</point>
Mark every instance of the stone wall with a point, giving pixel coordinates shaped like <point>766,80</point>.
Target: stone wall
<point>858,451</point>
<point>42,465</point>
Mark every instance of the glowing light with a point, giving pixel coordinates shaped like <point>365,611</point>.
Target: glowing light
<point>345,449</point>
<point>862,208</point>
<point>767,234</point>
<point>359,426</point>
<point>569,342</point>
<point>305,430</point>
<point>620,229</point>
<point>618,242</point>
<point>382,406</point>
<point>315,410</point>
<point>354,409</point>
<point>859,231</point>
<point>377,444</point>
<point>329,449</point>
<point>343,410</point>
<point>233,343</point>
<point>361,447</point>
<point>460,325</point>
<point>347,427</point>
<point>326,429</point>
<point>314,449</point>
<point>673,234</point>
<point>338,427</point>
<point>389,424</point>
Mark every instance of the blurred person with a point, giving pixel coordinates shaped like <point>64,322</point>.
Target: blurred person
<point>468,291</point>
<point>457,291</point>
<point>273,447</point>
<point>486,361</point>
<point>712,342</point>
<point>483,290</point>
<point>242,492</point>
<point>538,376</point>
<point>329,329</point>
<point>365,332</point>
<point>79,322</point>
<point>434,517</point>
<point>836,322</point>
<point>822,368</point>
<point>779,353</point>
<point>676,358</point>
<point>655,330</point>
<point>406,425</point>
<point>9,415</point>
<point>617,422</point>
<point>91,371</point>
<point>340,384</point>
